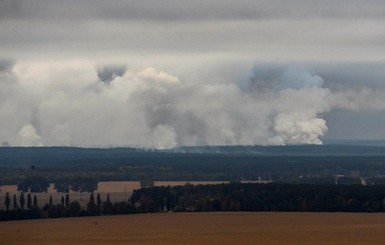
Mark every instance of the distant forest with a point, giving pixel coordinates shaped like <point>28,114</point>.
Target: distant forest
<point>328,164</point>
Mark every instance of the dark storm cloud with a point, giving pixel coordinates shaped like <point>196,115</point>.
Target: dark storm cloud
<point>191,10</point>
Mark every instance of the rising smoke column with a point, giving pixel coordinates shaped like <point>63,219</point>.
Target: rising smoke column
<point>300,100</point>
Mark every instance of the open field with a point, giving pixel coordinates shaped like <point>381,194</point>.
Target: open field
<point>201,228</point>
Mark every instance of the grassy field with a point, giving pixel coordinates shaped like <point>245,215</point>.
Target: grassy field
<point>201,228</point>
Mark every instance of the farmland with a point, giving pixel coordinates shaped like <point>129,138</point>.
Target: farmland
<point>201,228</point>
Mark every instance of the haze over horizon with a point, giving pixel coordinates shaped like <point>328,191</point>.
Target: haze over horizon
<point>174,72</point>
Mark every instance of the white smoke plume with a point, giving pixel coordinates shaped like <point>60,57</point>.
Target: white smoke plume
<point>296,102</point>
<point>70,104</point>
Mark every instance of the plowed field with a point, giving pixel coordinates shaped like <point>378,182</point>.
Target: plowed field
<point>201,228</point>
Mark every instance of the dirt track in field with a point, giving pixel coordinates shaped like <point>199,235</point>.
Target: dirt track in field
<point>201,228</point>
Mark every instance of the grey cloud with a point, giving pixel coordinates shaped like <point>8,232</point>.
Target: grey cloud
<point>10,8</point>
<point>7,78</point>
<point>347,124</point>
<point>111,30</point>
<point>336,76</point>
<point>322,53</point>
<point>110,72</point>
<point>353,75</point>
<point>267,77</point>
<point>191,10</point>
<point>6,65</point>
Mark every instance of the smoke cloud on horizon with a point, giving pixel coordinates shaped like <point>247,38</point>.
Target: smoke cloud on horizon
<point>82,104</point>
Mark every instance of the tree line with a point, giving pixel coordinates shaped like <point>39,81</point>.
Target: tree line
<point>208,198</point>
<point>39,183</point>
<point>19,207</point>
<point>261,197</point>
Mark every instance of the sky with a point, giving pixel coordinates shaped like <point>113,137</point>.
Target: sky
<point>169,73</point>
